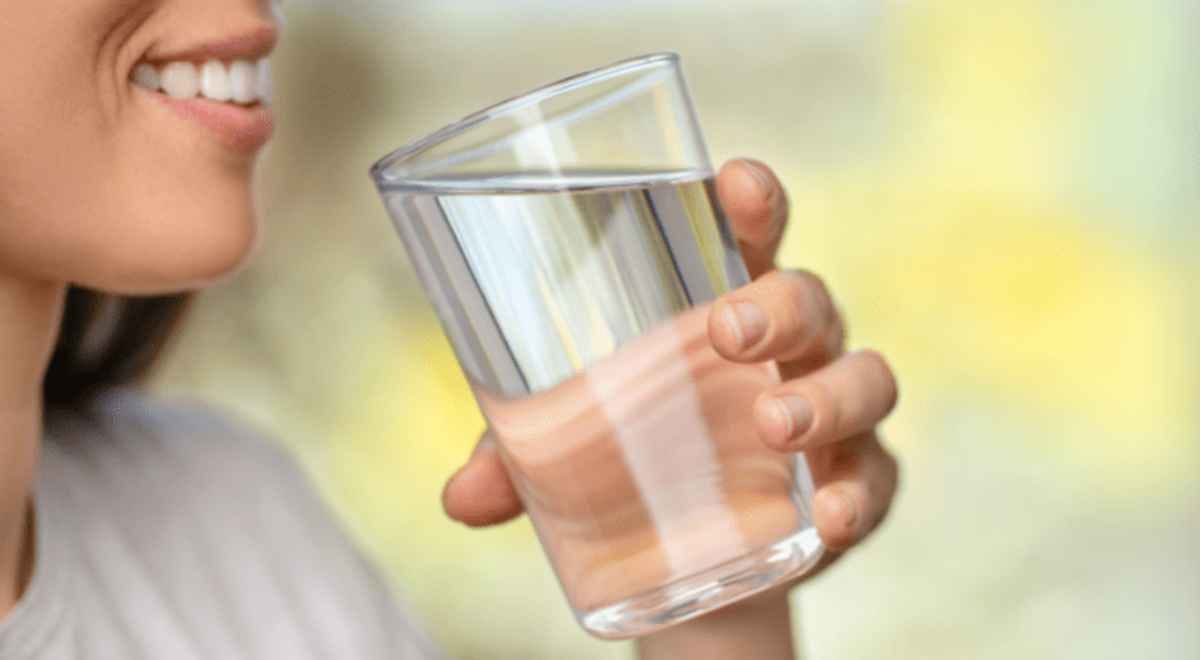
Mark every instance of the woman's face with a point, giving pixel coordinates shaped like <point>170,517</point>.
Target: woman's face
<point>115,184</point>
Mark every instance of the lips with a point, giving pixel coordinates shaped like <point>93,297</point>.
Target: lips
<point>224,87</point>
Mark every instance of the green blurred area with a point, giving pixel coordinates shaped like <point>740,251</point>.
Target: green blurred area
<point>1004,197</point>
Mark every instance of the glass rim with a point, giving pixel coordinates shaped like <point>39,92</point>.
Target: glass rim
<point>510,105</point>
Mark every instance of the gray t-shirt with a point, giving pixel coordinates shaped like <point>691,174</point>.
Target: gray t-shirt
<point>166,532</point>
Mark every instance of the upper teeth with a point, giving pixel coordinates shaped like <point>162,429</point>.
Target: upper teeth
<point>241,81</point>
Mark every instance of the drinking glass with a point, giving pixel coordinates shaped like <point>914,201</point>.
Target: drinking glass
<point>571,242</point>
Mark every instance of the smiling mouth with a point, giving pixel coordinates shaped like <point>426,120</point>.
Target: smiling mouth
<point>223,86</point>
<point>231,101</point>
<point>239,82</point>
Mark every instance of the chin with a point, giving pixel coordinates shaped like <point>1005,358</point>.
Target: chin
<point>194,249</point>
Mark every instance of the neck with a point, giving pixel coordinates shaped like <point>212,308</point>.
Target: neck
<point>29,316</point>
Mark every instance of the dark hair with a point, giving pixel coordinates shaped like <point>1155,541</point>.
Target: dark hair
<point>105,341</point>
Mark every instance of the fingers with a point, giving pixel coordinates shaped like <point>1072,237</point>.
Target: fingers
<point>757,209</point>
<point>784,315</point>
<point>848,397</point>
<point>480,493</point>
<point>857,487</point>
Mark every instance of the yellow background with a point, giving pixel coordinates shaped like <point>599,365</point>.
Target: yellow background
<point>1004,196</point>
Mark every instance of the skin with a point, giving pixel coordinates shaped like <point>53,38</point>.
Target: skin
<point>101,186</point>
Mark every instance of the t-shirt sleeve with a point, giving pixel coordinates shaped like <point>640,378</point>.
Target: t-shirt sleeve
<point>336,581</point>
<point>263,498</point>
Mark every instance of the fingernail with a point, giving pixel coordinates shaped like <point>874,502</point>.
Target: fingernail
<point>761,175</point>
<point>780,417</point>
<point>769,188</point>
<point>799,415</point>
<point>746,322</point>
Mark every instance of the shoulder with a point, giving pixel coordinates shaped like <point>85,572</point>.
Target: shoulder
<point>150,461</point>
<point>158,478</point>
<point>138,453</point>
<point>159,432</point>
<point>161,472</point>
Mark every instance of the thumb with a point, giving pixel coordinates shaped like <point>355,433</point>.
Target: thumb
<point>480,493</point>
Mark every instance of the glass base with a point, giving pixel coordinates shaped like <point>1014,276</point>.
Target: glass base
<point>704,592</point>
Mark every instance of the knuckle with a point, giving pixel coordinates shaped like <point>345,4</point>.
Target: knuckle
<point>835,340</point>
<point>814,292</point>
<point>807,324</point>
<point>778,209</point>
<point>796,279</point>
<point>880,493</point>
<point>884,482</point>
<point>797,288</point>
<point>803,276</point>
<point>883,375</point>
<point>887,497</point>
<point>852,455</point>
<point>846,461</point>
<point>886,468</point>
<point>840,539</point>
<point>892,469</point>
<point>826,412</point>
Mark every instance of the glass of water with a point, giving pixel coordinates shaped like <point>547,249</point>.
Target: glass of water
<point>571,243</point>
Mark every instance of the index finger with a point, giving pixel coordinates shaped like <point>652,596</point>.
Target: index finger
<point>756,206</point>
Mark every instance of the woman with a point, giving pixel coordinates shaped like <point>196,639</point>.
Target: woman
<point>133,528</point>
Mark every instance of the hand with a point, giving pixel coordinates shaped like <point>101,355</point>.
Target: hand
<point>828,405</point>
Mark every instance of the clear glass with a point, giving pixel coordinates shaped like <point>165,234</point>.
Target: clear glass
<point>571,242</point>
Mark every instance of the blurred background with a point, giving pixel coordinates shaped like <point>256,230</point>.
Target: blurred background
<point>1005,197</point>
